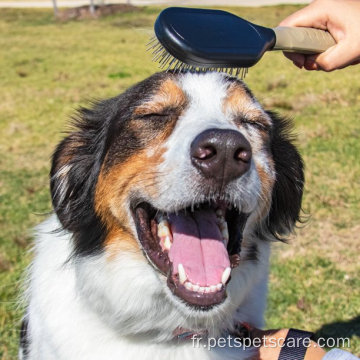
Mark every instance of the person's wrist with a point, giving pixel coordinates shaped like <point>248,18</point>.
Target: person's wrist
<point>314,352</point>
<point>273,341</point>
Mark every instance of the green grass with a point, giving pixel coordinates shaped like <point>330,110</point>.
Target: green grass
<point>47,69</point>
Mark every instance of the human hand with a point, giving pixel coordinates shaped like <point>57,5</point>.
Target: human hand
<point>277,337</point>
<point>341,19</point>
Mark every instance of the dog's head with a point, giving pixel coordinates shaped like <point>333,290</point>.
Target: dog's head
<point>176,185</point>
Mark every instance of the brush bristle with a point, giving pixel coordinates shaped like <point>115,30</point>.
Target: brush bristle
<point>168,62</point>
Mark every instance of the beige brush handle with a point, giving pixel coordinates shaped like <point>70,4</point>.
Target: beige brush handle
<point>302,40</point>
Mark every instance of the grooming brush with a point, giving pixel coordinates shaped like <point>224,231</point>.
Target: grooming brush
<point>202,40</point>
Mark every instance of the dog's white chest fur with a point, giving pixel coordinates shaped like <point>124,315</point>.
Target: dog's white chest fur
<point>64,324</point>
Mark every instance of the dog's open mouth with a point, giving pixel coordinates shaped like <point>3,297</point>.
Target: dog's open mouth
<point>196,248</point>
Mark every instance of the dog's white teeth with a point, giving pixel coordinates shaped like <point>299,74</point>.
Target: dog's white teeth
<point>225,233</point>
<point>195,287</point>
<point>163,228</point>
<point>188,286</point>
<point>222,224</point>
<point>226,275</point>
<point>164,233</point>
<point>182,274</point>
<point>167,243</point>
<point>203,289</point>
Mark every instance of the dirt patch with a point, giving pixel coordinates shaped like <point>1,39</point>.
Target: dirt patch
<point>5,264</point>
<point>84,12</point>
<point>341,246</point>
<point>138,22</point>
<point>277,102</point>
<point>277,83</point>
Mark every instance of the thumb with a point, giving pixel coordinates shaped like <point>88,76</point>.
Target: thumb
<point>337,57</point>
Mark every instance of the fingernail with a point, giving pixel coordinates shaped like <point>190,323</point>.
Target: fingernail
<point>311,66</point>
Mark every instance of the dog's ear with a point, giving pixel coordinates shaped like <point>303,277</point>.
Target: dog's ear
<point>75,168</point>
<point>288,188</point>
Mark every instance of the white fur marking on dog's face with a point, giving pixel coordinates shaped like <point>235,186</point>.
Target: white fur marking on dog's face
<point>206,94</point>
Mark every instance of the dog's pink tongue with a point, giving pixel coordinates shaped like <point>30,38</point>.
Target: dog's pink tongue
<point>198,245</point>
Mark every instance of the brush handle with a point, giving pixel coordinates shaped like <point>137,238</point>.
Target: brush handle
<point>302,40</point>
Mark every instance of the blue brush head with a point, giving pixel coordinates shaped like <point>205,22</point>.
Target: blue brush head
<point>202,39</point>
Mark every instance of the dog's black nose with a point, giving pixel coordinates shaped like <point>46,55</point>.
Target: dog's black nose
<point>222,155</point>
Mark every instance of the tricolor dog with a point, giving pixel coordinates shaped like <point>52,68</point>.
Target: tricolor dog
<point>166,199</point>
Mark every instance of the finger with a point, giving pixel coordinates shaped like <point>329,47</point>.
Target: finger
<point>310,16</point>
<point>356,62</point>
<point>337,57</point>
<point>310,62</point>
<point>297,59</point>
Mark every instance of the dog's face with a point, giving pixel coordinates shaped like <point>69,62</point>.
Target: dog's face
<point>187,176</point>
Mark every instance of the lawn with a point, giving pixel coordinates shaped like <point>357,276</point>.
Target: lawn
<point>47,69</point>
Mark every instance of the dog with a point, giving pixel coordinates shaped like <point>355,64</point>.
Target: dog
<point>166,200</point>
